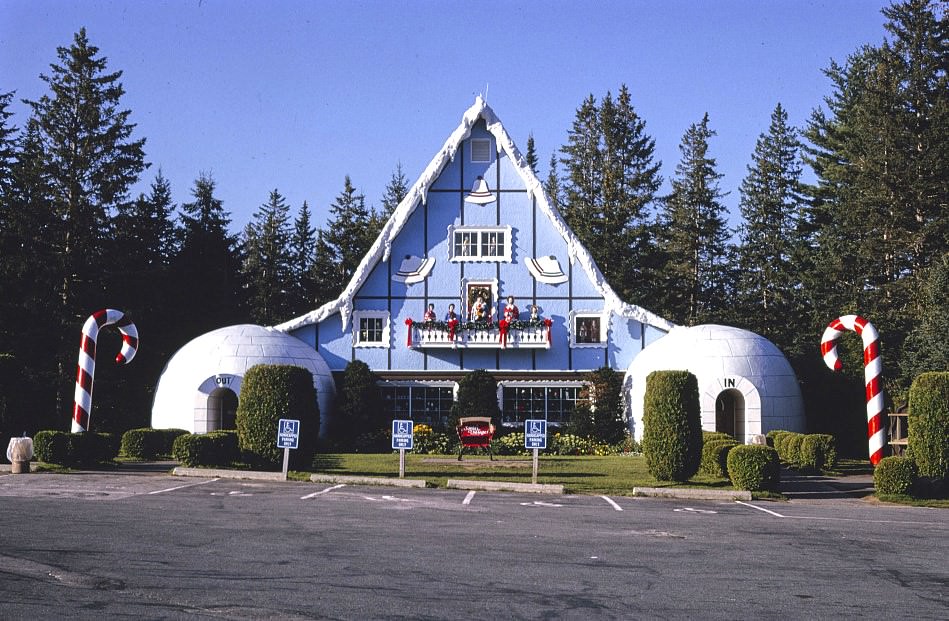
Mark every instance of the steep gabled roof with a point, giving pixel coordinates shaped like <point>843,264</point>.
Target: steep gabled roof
<point>418,194</point>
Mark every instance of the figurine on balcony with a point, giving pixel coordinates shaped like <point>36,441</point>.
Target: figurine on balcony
<point>510,310</point>
<point>451,320</point>
<point>535,314</point>
<point>451,315</point>
<point>479,310</point>
<point>430,316</point>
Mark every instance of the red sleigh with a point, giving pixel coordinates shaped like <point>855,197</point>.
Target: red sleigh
<point>475,432</point>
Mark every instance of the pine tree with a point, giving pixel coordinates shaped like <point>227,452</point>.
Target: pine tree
<point>552,183</point>
<point>694,235</point>
<point>771,203</point>
<point>83,160</point>
<point>325,271</point>
<point>531,155</point>
<point>302,257</point>
<point>612,181</point>
<point>8,146</point>
<point>267,261</point>
<point>206,268</point>
<point>395,191</point>
<point>346,239</point>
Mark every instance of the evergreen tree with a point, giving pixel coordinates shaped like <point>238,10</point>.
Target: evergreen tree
<point>324,271</point>
<point>302,257</point>
<point>83,160</point>
<point>927,346</point>
<point>206,269</point>
<point>267,262</point>
<point>344,242</point>
<point>694,235</point>
<point>612,181</point>
<point>531,156</point>
<point>8,146</point>
<point>395,191</point>
<point>552,183</point>
<point>771,203</point>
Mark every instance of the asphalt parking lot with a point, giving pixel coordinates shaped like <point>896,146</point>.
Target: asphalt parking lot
<point>94,545</point>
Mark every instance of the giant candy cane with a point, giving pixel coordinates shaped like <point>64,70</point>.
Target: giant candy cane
<point>872,368</point>
<point>82,406</point>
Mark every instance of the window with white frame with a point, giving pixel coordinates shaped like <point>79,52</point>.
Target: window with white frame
<point>480,150</point>
<point>524,401</point>
<point>370,329</point>
<point>588,329</point>
<point>480,243</point>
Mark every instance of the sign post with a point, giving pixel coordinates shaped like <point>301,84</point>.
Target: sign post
<point>402,439</point>
<point>535,437</point>
<point>288,437</point>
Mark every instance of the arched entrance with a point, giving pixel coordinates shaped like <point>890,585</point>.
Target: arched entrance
<point>222,409</point>
<point>730,413</point>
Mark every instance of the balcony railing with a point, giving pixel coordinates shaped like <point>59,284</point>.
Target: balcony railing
<point>484,336</point>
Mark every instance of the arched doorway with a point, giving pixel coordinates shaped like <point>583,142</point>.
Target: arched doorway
<point>730,413</point>
<point>222,409</point>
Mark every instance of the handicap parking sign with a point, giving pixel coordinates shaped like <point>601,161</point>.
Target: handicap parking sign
<point>402,437</point>
<point>288,433</point>
<point>535,434</point>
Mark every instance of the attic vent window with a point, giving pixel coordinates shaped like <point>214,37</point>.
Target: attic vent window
<point>480,150</point>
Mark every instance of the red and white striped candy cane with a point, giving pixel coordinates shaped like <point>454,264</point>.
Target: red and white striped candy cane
<point>82,406</point>
<point>872,368</point>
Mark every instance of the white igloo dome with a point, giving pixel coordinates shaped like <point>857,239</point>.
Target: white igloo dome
<point>746,385</point>
<point>200,386</point>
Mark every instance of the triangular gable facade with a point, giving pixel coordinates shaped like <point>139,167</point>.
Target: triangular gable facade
<point>478,224</point>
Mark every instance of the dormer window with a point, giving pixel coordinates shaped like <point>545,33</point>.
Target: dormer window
<point>480,150</point>
<point>480,243</point>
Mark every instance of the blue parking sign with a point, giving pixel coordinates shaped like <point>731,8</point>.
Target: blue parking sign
<point>288,433</point>
<point>402,437</point>
<point>535,434</point>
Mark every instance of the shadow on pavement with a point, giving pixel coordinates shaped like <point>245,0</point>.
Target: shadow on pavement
<point>795,485</point>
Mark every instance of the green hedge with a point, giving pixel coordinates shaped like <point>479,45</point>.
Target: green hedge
<point>895,475</point>
<point>147,443</point>
<point>672,427</point>
<point>792,448</point>
<point>818,451</point>
<point>268,393</point>
<point>217,448</point>
<point>928,438</point>
<point>754,467</point>
<point>714,456</point>
<point>74,449</point>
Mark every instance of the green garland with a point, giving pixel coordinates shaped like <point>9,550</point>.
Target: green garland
<point>479,326</point>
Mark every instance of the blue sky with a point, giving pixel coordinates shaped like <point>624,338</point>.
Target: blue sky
<point>295,95</point>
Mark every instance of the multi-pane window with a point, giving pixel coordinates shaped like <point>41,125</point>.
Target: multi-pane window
<point>588,329</point>
<point>470,243</point>
<point>422,404</point>
<point>370,328</point>
<point>553,403</point>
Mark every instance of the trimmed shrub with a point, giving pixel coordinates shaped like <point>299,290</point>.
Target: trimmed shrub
<point>148,443</point>
<point>779,439</point>
<point>477,396</point>
<point>359,408</point>
<point>714,455</point>
<point>792,449</point>
<point>772,435</point>
<point>224,447</point>
<point>74,449</point>
<point>708,436</point>
<point>192,450</point>
<point>895,475</point>
<point>754,467</point>
<point>268,393</point>
<point>818,451</point>
<point>928,438</point>
<point>672,427</point>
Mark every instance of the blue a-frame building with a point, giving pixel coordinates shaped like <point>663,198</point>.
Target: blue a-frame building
<point>478,224</point>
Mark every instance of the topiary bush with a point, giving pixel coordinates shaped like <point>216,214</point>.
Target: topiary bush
<point>714,455</point>
<point>708,436</point>
<point>895,475</point>
<point>928,438</point>
<point>51,447</point>
<point>792,449</point>
<point>818,452</point>
<point>192,450</point>
<point>74,449</point>
<point>754,467</point>
<point>269,393</point>
<point>672,427</point>
<point>148,443</point>
<point>772,436</point>
<point>359,408</point>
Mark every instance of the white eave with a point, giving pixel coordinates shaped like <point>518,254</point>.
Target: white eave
<point>418,194</point>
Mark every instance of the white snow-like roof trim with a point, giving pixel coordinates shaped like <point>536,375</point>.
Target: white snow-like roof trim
<point>418,194</point>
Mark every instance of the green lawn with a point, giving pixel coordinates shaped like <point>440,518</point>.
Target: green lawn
<point>613,474</point>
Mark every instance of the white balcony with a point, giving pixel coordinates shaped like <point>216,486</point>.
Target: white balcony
<point>530,337</point>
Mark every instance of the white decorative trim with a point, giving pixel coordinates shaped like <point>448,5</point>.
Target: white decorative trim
<point>546,269</point>
<point>505,257</point>
<point>417,195</point>
<point>386,328</point>
<point>414,269</point>
<point>604,318</point>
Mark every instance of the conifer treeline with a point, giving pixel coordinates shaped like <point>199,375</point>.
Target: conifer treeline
<point>869,236</point>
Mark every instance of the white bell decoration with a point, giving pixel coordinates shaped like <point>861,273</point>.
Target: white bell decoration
<point>480,192</point>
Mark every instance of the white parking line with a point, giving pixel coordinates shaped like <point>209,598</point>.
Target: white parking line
<point>171,489</point>
<point>612,503</point>
<point>774,513</point>
<point>468,497</point>
<point>328,489</point>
